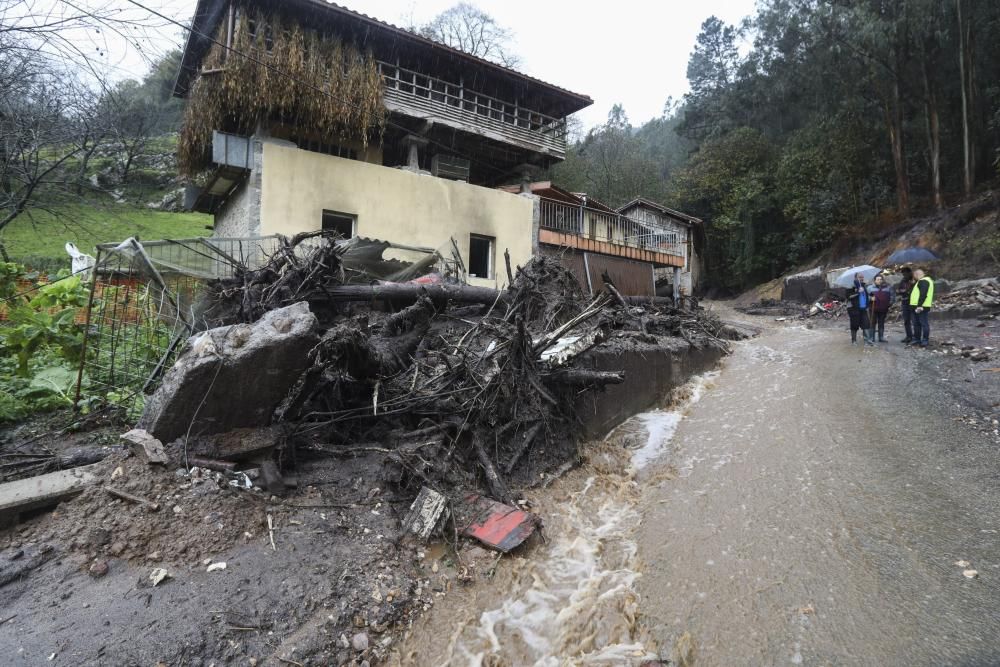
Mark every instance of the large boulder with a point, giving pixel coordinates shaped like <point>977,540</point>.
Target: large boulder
<point>232,377</point>
<point>804,287</point>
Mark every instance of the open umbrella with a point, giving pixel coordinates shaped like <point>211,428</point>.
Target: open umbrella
<point>846,279</point>
<point>910,255</point>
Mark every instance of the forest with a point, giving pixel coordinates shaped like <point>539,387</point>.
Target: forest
<point>812,123</point>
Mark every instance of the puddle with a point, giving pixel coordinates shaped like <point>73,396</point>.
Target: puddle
<point>573,600</point>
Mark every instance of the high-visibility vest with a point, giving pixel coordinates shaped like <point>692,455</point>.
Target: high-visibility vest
<point>915,294</point>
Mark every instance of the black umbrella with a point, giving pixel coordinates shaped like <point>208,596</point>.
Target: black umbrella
<point>911,255</point>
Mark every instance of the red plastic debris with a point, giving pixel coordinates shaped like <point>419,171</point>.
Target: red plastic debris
<point>497,525</point>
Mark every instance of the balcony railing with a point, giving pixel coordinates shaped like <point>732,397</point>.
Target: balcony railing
<point>454,104</point>
<point>608,227</point>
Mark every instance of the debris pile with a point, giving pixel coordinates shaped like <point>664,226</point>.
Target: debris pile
<point>775,307</point>
<point>970,352</point>
<point>333,408</point>
<point>458,388</point>
<point>979,298</point>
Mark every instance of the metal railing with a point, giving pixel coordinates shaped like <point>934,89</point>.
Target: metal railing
<point>611,228</point>
<point>456,100</point>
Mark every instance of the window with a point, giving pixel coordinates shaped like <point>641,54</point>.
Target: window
<point>343,224</point>
<point>481,256</point>
<point>315,146</point>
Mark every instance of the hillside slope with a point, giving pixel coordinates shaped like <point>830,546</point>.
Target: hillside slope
<point>966,237</point>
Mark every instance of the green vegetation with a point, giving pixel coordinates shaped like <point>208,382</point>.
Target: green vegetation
<point>40,239</point>
<point>839,120</point>
<point>40,343</point>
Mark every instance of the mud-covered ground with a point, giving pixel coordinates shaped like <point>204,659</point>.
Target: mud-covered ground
<point>970,388</point>
<point>832,505</point>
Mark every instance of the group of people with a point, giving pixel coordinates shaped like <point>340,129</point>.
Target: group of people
<point>868,306</point>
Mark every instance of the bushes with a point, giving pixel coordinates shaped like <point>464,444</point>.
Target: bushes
<point>40,343</point>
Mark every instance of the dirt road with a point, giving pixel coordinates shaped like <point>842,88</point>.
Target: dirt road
<point>822,505</point>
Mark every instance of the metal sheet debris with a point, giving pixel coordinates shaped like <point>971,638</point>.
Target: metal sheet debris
<point>497,525</point>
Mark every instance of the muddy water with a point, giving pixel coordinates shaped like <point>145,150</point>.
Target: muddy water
<point>828,509</point>
<point>573,599</point>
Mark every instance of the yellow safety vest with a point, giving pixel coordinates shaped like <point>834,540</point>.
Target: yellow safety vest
<point>915,294</point>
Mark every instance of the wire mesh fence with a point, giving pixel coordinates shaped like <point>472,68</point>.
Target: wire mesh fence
<point>146,300</point>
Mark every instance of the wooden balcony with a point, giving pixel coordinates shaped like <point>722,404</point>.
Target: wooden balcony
<point>594,230</point>
<point>416,95</point>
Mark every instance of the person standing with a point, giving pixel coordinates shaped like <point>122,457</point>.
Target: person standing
<point>921,301</point>
<point>880,298</point>
<point>903,290</point>
<point>857,309</point>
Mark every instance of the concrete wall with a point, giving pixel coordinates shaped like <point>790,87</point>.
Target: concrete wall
<point>393,205</point>
<point>239,216</point>
<point>651,372</point>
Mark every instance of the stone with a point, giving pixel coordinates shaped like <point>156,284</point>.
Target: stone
<point>146,446</point>
<point>360,641</point>
<point>232,377</point>
<point>98,569</point>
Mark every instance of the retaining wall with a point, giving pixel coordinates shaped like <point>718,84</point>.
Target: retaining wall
<point>651,372</point>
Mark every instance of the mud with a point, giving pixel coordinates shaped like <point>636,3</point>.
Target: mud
<point>842,512</point>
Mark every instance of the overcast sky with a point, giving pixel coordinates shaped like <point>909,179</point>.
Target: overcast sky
<point>630,51</point>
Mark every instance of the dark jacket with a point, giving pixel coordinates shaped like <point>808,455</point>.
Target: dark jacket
<point>857,299</point>
<point>903,290</point>
<point>881,298</point>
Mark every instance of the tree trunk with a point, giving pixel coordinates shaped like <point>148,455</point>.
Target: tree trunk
<point>933,137</point>
<point>967,178</point>
<point>894,122</point>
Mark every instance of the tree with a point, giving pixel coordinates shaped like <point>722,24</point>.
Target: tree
<point>729,182</point>
<point>711,71</point>
<point>134,117</point>
<point>51,88</point>
<point>470,29</point>
<point>39,134</point>
<point>608,164</point>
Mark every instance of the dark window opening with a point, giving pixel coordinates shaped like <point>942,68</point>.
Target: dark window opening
<point>341,223</point>
<point>481,256</point>
<point>335,150</point>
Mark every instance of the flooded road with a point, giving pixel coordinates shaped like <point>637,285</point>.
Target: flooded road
<point>825,508</point>
<point>811,503</point>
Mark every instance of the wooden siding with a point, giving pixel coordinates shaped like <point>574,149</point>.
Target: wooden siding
<point>428,104</point>
<point>551,237</point>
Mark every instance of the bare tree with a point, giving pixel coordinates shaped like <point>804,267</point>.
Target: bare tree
<point>470,29</point>
<point>39,136</point>
<point>52,84</point>
<point>133,120</point>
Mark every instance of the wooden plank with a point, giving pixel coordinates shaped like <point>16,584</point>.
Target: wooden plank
<point>41,491</point>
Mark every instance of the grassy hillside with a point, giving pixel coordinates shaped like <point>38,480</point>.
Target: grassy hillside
<point>40,239</point>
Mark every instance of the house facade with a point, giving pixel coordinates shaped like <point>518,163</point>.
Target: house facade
<point>681,231</point>
<point>303,115</point>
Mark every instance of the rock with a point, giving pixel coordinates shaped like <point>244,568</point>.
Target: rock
<point>158,575</point>
<point>360,641</point>
<point>215,567</point>
<point>117,549</point>
<point>254,375</point>
<point>146,446</point>
<point>98,569</point>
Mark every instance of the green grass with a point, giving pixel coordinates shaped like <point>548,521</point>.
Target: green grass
<point>44,235</point>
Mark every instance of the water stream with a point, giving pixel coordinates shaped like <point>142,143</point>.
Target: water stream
<point>573,600</point>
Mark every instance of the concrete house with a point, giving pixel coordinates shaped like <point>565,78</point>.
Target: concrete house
<point>304,115</point>
<point>679,229</point>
